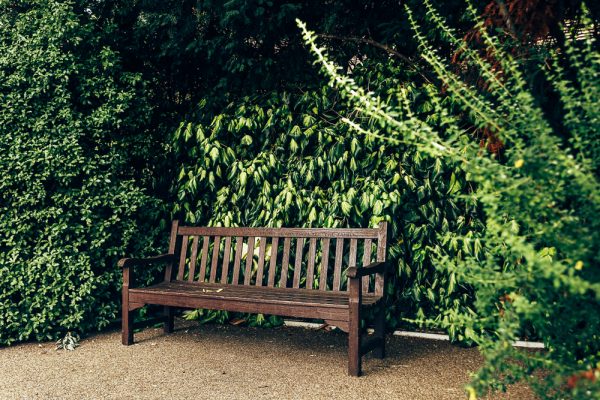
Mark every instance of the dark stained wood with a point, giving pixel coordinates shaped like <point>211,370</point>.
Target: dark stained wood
<point>249,259</point>
<point>204,259</point>
<point>354,334</point>
<point>324,264</point>
<point>127,314</point>
<point>226,260</point>
<point>193,257</point>
<point>310,268</point>
<point>298,262</point>
<point>341,308</point>
<point>285,262</point>
<point>352,255</point>
<point>337,265</point>
<point>273,262</point>
<point>172,247</point>
<point>261,261</point>
<point>347,233</point>
<point>239,245</point>
<point>182,258</point>
<point>215,259</point>
<point>366,261</point>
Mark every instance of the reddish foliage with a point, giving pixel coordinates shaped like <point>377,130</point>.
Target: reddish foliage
<point>590,375</point>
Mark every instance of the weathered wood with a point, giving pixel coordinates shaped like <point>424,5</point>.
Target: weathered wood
<point>366,261</point>
<point>182,258</point>
<point>324,264</point>
<point>337,265</point>
<point>354,334</point>
<point>298,262</point>
<point>172,248</point>
<point>226,260</point>
<point>239,245</point>
<point>204,259</point>
<point>127,314</point>
<point>310,268</point>
<point>273,262</point>
<point>285,262</point>
<point>352,255</point>
<point>194,256</point>
<point>335,306</point>
<point>215,259</point>
<point>261,261</point>
<point>347,233</point>
<point>249,258</point>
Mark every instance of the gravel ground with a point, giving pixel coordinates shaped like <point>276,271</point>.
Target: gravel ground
<point>230,362</point>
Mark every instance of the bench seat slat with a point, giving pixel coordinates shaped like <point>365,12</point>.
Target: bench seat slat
<point>252,294</point>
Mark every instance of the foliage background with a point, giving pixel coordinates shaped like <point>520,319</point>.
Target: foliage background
<point>70,202</point>
<point>117,116</point>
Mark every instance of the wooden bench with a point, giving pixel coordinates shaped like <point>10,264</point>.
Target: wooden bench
<point>249,270</point>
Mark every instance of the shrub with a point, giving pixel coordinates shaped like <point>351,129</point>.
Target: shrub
<point>69,205</point>
<point>287,159</point>
<point>540,198</point>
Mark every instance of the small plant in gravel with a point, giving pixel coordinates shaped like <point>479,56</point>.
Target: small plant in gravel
<point>69,342</point>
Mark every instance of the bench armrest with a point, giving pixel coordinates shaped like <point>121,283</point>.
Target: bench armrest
<point>129,262</point>
<point>373,268</point>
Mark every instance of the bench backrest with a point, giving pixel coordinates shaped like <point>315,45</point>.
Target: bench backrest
<point>277,257</point>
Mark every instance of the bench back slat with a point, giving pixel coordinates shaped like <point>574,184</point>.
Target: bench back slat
<point>215,259</point>
<point>366,261</point>
<point>239,245</point>
<point>273,262</point>
<point>269,264</point>
<point>337,268</point>
<point>182,257</point>
<point>324,264</point>
<point>298,262</point>
<point>310,268</point>
<point>347,233</point>
<point>193,259</point>
<point>249,259</point>
<point>226,260</point>
<point>285,262</point>
<point>261,261</point>
<point>204,258</point>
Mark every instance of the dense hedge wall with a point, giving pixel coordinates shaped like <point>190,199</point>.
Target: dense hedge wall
<point>69,205</point>
<point>286,159</point>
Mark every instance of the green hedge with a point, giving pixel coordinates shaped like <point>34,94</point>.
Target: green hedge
<point>286,159</point>
<point>68,204</point>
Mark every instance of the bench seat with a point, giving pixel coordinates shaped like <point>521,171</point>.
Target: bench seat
<point>238,298</point>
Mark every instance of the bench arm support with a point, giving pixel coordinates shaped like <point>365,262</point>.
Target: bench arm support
<point>373,268</point>
<point>130,262</point>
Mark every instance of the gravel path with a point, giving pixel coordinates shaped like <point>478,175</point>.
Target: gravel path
<point>228,362</point>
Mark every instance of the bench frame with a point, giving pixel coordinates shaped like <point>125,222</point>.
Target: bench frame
<point>347,319</point>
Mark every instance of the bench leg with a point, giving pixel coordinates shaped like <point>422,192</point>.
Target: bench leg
<point>126,321</point>
<point>354,356</point>
<point>379,352</point>
<point>169,319</point>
